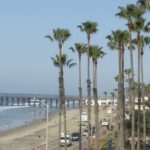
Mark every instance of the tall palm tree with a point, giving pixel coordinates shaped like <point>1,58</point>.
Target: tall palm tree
<point>96,52</point>
<point>89,27</point>
<point>65,62</point>
<point>144,5</point>
<point>60,36</point>
<point>143,41</point>
<point>138,27</point>
<point>118,40</point>
<point>128,13</point>
<point>80,48</point>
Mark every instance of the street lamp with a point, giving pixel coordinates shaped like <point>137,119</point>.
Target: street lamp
<point>47,120</point>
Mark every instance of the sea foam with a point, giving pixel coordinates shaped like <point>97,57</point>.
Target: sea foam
<point>11,107</point>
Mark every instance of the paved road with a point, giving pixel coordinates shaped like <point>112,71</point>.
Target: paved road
<point>53,144</point>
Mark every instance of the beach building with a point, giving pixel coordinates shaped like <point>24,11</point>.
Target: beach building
<point>141,107</point>
<point>110,101</point>
<point>102,102</point>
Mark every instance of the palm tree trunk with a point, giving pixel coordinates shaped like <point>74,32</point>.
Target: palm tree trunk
<point>97,118</point>
<point>80,103</point>
<point>60,112</point>
<point>60,91</point>
<point>121,101</point>
<point>132,89</point>
<point>62,96</point>
<point>122,104</point>
<point>65,125</point>
<point>118,104</point>
<point>129,95</point>
<point>143,101</point>
<point>139,95</point>
<point>64,110</point>
<point>95,106</point>
<point>89,94</point>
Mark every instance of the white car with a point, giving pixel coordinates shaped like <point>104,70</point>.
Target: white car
<point>85,132</point>
<point>68,140</point>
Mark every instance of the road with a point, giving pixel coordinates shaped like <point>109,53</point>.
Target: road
<point>53,144</point>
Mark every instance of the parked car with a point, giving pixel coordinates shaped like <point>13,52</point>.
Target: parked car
<point>75,136</point>
<point>85,132</point>
<point>105,122</point>
<point>68,140</point>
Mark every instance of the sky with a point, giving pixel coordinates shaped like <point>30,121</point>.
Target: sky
<point>25,55</point>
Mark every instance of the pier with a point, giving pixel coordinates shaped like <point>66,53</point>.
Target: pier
<point>31,100</point>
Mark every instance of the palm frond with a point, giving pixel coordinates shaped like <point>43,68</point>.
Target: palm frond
<point>81,28</point>
<point>55,61</point>
<point>69,61</point>
<point>147,40</point>
<point>89,27</point>
<point>127,71</point>
<point>49,37</point>
<point>72,49</point>
<point>145,4</point>
<point>72,65</point>
<point>109,37</point>
<point>61,35</point>
<point>147,27</point>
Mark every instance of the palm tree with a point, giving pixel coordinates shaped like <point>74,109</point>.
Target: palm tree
<point>65,62</point>
<point>80,48</point>
<point>128,13</point>
<point>118,40</point>
<point>139,26</point>
<point>96,52</point>
<point>89,28</point>
<point>143,41</point>
<point>60,36</point>
<point>128,73</point>
<point>144,5</point>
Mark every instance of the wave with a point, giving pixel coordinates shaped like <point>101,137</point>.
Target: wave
<point>2,108</point>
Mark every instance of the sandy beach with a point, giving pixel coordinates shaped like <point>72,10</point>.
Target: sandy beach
<point>32,136</point>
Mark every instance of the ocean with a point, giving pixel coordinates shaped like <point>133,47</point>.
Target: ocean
<point>15,116</point>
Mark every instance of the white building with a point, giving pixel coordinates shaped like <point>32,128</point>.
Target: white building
<point>101,101</point>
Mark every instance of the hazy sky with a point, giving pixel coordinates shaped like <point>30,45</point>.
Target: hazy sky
<point>25,64</point>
